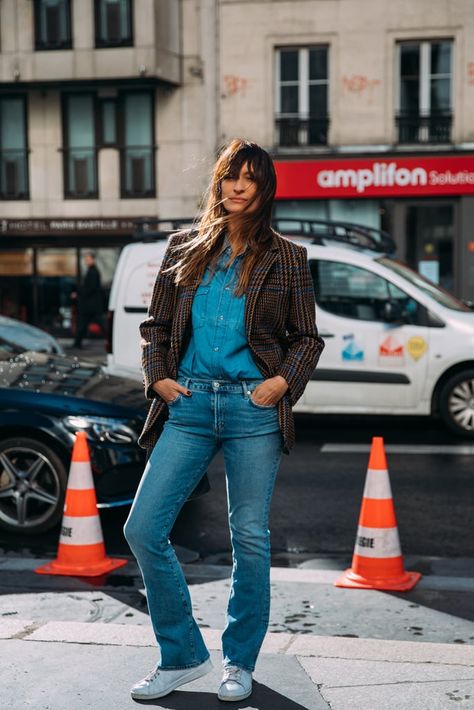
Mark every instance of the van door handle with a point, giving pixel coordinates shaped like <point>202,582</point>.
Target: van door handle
<point>327,335</point>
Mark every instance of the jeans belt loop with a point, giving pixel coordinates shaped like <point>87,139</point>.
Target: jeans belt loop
<point>187,380</point>
<point>245,388</point>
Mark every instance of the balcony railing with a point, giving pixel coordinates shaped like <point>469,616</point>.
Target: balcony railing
<point>14,174</point>
<point>434,128</point>
<point>294,131</point>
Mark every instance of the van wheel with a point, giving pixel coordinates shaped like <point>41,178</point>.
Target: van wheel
<point>33,482</point>
<point>456,403</point>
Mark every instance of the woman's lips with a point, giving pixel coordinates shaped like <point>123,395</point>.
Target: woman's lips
<point>238,199</point>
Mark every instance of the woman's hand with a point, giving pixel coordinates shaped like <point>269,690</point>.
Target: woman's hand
<point>169,389</point>
<point>270,391</point>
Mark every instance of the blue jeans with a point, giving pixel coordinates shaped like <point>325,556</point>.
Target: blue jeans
<point>218,413</point>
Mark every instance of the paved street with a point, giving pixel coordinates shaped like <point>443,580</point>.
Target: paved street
<point>329,648</point>
<point>311,658</point>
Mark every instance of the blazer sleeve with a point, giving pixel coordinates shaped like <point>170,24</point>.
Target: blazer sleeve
<point>155,330</point>
<point>305,345</point>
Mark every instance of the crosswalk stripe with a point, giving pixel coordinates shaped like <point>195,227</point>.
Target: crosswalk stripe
<point>460,449</point>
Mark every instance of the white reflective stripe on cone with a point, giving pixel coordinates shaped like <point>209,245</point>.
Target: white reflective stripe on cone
<point>80,475</point>
<point>83,530</point>
<point>377,542</point>
<point>377,484</point>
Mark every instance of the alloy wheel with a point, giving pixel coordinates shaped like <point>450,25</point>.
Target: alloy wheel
<point>461,404</point>
<point>30,488</point>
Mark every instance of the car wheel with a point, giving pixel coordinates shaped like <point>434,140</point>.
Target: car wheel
<point>456,403</point>
<point>33,482</point>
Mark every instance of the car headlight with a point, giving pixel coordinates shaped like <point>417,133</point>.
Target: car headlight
<point>115,431</point>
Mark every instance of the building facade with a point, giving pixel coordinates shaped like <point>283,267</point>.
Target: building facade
<point>368,109</point>
<point>112,111</point>
<point>94,132</point>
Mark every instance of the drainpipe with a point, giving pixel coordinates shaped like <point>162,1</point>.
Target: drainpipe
<point>210,60</point>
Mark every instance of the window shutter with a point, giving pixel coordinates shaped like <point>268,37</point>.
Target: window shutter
<point>113,22</point>
<point>80,175</point>
<point>11,178</point>
<point>52,24</point>
<point>138,175</point>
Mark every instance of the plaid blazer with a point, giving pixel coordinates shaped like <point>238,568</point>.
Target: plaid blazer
<point>279,320</point>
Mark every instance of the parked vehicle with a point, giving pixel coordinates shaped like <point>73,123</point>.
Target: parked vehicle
<point>396,343</point>
<point>44,400</point>
<point>17,336</point>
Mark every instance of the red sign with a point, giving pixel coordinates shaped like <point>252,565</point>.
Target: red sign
<point>386,176</point>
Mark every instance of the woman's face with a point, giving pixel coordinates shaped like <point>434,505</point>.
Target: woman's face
<point>238,191</point>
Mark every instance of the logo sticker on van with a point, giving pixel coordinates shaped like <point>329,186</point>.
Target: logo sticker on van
<point>353,349</point>
<point>416,347</point>
<point>391,351</point>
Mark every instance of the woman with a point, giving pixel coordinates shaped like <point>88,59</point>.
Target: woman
<point>228,347</point>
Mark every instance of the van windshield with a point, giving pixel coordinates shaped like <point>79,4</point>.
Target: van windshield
<point>440,295</point>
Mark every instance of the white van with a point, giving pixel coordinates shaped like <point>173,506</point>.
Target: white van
<point>395,342</point>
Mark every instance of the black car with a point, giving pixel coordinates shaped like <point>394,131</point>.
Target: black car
<point>44,400</point>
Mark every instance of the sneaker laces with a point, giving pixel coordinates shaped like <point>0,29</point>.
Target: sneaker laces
<point>232,673</point>
<point>152,674</point>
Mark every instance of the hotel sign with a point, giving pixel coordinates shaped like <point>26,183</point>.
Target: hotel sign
<point>391,176</point>
<point>72,227</point>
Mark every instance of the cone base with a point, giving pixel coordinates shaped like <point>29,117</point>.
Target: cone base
<point>402,583</point>
<point>82,570</point>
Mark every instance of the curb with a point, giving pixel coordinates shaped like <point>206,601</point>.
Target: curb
<point>274,643</point>
<point>210,572</point>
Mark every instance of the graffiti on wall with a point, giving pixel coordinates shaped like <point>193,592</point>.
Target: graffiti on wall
<point>360,85</point>
<point>235,84</point>
<point>470,73</point>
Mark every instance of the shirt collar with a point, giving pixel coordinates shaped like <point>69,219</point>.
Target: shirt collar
<point>227,247</point>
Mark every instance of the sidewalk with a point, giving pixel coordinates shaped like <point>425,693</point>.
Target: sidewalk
<point>72,642</point>
<point>77,665</point>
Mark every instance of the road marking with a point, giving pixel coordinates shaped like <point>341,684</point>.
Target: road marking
<point>459,449</point>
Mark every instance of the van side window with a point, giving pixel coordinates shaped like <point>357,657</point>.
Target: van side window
<point>410,307</point>
<point>352,292</point>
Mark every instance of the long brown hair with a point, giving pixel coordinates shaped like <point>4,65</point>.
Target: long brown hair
<point>253,227</point>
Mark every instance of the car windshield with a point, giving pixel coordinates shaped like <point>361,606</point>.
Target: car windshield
<point>6,346</point>
<point>443,297</point>
<point>22,339</point>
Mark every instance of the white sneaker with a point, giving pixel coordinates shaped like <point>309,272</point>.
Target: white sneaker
<point>160,681</point>
<point>236,684</point>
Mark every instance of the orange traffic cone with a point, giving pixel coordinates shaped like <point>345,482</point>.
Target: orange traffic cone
<point>81,549</point>
<point>377,562</point>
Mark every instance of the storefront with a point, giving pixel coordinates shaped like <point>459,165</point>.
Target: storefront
<point>41,264</point>
<point>425,202</point>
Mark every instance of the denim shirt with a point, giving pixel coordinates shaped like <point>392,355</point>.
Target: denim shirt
<point>218,346</point>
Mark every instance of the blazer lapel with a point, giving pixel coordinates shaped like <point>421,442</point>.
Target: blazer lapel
<point>184,305</point>
<point>256,280</point>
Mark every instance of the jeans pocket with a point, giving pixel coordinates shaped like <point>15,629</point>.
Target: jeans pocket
<point>260,406</point>
<point>176,399</point>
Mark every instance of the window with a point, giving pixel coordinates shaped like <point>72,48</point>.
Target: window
<point>301,96</point>
<point>113,23</point>
<point>52,24</point>
<point>137,152</point>
<point>351,292</point>
<point>439,295</point>
<point>13,149</point>
<point>80,151</point>
<point>425,92</point>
